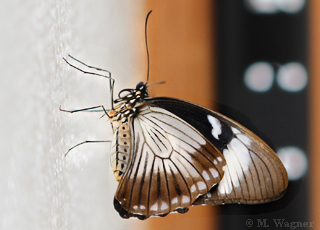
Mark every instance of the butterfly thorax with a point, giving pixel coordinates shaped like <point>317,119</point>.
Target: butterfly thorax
<point>120,117</point>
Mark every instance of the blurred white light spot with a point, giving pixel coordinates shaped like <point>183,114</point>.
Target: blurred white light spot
<point>292,77</point>
<point>294,160</point>
<point>275,6</point>
<point>290,6</point>
<point>262,6</point>
<point>259,76</point>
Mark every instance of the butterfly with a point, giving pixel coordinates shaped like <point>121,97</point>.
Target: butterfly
<point>168,154</point>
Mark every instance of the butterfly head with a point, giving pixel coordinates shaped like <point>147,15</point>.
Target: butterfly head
<point>138,93</point>
<point>128,100</point>
<point>142,88</point>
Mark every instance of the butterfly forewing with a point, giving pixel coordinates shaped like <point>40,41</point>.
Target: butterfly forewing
<point>172,165</point>
<point>253,173</point>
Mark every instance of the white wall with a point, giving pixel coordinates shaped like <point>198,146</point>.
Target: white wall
<point>40,188</point>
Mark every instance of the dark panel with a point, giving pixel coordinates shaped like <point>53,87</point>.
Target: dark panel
<point>277,116</point>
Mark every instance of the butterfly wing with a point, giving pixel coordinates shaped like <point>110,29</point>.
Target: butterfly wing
<point>253,173</point>
<point>172,165</point>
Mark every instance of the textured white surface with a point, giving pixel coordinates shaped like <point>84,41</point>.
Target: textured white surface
<point>40,189</point>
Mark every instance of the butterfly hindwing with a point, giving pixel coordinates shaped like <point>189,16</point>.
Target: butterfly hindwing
<point>253,173</point>
<point>172,165</point>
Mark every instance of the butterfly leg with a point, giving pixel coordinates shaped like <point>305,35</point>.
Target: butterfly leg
<point>111,80</point>
<point>91,109</point>
<point>92,67</point>
<point>82,144</point>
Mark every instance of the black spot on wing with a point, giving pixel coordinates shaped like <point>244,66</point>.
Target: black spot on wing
<point>125,214</point>
<point>182,210</point>
<point>225,136</point>
<point>122,212</point>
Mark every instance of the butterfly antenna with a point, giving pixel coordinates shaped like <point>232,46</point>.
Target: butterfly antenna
<point>156,83</point>
<point>146,38</point>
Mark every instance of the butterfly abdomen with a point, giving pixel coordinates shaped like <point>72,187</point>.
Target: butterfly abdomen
<point>121,148</point>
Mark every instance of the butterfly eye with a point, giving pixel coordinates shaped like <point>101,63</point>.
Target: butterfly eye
<point>140,86</point>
